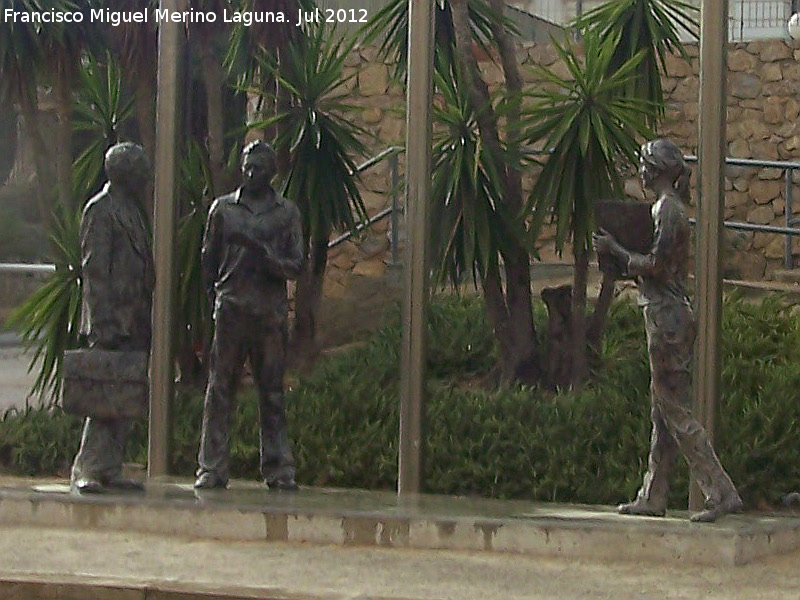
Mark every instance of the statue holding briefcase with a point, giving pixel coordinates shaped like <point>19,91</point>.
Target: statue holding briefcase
<point>118,276</point>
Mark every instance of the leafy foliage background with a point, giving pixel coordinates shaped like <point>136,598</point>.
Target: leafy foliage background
<point>512,442</point>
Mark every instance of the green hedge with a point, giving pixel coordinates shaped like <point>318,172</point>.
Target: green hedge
<point>588,447</point>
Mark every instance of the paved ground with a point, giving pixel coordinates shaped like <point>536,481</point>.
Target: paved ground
<point>284,570</point>
<point>15,381</point>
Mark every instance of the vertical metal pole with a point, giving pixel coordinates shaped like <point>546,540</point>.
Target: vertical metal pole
<point>170,53</point>
<point>394,168</point>
<point>418,183</point>
<point>788,210</point>
<point>711,173</point>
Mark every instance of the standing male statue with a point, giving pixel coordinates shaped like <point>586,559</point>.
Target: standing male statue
<point>117,275</point>
<point>671,329</point>
<point>253,244</point>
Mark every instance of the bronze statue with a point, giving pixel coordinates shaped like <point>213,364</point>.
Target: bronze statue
<point>252,245</point>
<point>118,276</point>
<point>671,329</point>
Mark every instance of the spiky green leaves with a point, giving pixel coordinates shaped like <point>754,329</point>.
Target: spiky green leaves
<point>322,141</point>
<point>587,125</point>
<point>471,223</point>
<point>100,110</point>
<point>652,27</point>
<point>49,320</point>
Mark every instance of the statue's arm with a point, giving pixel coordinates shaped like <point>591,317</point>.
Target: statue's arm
<point>211,250</point>
<point>96,238</point>
<point>288,263</point>
<point>635,263</point>
<point>652,263</point>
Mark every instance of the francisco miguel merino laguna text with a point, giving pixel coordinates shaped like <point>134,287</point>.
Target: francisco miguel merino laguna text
<point>246,18</point>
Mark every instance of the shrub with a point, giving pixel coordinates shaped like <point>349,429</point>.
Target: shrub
<point>586,447</point>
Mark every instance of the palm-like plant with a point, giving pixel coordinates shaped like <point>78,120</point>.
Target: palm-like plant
<point>589,127</point>
<point>322,144</point>
<point>470,224</point>
<point>100,111</point>
<point>135,46</point>
<point>648,26</point>
<point>21,56</point>
<point>194,312</point>
<point>390,25</point>
<point>64,46</point>
<point>49,320</point>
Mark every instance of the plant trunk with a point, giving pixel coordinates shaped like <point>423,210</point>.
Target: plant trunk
<point>580,366</point>
<point>63,92</point>
<point>41,157</point>
<point>497,313</point>
<point>214,79</point>
<point>23,171</point>
<point>519,350</point>
<point>307,300</point>
<point>558,367</point>
<point>283,105</point>
<point>597,324</point>
<point>527,357</point>
<point>145,98</point>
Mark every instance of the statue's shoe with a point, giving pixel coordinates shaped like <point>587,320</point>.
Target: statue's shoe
<point>87,485</point>
<point>730,504</point>
<point>642,509</point>
<point>209,480</point>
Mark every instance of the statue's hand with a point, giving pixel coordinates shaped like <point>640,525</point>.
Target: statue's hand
<point>604,243</point>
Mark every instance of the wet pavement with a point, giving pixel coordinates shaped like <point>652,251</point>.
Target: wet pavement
<point>15,379</point>
<point>249,512</point>
<point>172,543</point>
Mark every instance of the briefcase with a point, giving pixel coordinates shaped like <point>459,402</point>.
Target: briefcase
<point>105,384</point>
<point>631,224</point>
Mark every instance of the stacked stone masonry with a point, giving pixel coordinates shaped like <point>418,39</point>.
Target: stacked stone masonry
<point>763,110</point>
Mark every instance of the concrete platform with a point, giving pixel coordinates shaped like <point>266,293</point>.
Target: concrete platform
<point>248,512</point>
<point>170,543</point>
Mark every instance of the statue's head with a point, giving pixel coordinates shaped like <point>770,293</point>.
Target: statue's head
<point>127,167</point>
<point>661,164</point>
<point>259,165</point>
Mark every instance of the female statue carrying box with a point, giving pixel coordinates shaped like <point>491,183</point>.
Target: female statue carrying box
<point>671,329</point>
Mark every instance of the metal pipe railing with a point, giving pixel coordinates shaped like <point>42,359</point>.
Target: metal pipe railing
<point>393,211</point>
<point>788,168</point>
<point>27,268</point>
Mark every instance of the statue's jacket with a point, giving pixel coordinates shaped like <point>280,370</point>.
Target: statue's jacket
<point>251,247</point>
<point>117,273</point>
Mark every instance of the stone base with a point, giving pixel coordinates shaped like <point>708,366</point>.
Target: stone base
<point>249,512</point>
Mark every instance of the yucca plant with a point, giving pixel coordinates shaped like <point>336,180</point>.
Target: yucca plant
<point>100,112</point>
<point>590,127</point>
<point>649,26</point>
<point>49,320</point>
<point>390,26</point>
<point>194,312</point>
<point>21,59</point>
<point>322,143</point>
<point>490,145</point>
<point>470,224</point>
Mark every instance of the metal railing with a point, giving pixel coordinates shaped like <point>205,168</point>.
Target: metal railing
<point>396,209</point>
<point>788,230</point>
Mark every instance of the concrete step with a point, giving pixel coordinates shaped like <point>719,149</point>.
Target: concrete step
<point>247,512</point>
<point>757,289</point>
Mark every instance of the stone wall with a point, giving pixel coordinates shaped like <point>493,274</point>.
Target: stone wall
<point>763,111</point>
